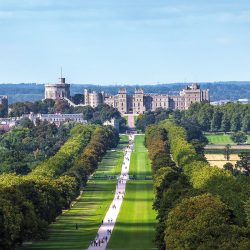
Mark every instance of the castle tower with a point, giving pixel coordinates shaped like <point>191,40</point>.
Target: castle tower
<point>86,97</point>
<point>57,91</point>
<point>193,94</point>
<point>122,101</point>
<point>138,101</point>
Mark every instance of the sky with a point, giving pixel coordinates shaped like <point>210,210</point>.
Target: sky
<point>124,41</point>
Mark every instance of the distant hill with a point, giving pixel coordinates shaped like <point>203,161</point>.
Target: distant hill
<point>218,90</point>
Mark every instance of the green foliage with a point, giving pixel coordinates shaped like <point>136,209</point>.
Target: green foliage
<point>247,211</point>
<point>20,108</point>
<point>239,137</point>
<point>204,177</point>
<point>243,164</point>
<point>78,98</point>
<point>204,222</point>
<point>194,176</point>
<point>27,145</point>
<point>29,203</point>
<point>62,107</point>
<point>228,117</point>
<point>102,139</point>
<point>18,220</point>
<point>159,153</point>
<point>67,154</point>
<point>150,117</point>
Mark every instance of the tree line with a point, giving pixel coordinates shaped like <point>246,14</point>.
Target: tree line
<point>98,115</point>
<point>29,203</point>
<point>230,117</point>
<point>198,206</point>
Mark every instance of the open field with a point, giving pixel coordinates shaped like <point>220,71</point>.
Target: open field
<point>134,228</point>
<point>88,211</point>
<point>219,159</point>
<point>221,139</point>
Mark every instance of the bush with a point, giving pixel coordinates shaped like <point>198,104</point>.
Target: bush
<point>239,137</point>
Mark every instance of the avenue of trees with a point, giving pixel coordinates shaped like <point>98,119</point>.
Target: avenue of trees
<point>198,206</point>
<point>28,203</point>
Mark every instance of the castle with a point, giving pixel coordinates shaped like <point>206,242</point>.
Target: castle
<point>136,103</point>
<point>139,102</point>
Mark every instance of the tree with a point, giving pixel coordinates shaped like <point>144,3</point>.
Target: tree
<point>225,123</point>
<point>236,122</point>
<point>243,165</point>
<point>239,137</point>
<point>227,152</point>
<point>62,106</point>
<point>216,121</point>
<point>203,222</point>
<point>247,211</point>
<point>229,166</point>
<point>26,123</point>
<point>245,124</point>
<point>78,98</point>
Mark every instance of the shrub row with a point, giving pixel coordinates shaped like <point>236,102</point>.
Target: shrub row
<point>159,153</point>
<point>65,157</point>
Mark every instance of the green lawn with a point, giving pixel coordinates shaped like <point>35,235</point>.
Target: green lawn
<point>135,226</point>
<point>88,212</point>
<point>126,118</point>
<point>221,139</point>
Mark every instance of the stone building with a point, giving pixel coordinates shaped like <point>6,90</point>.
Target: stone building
<point>122,104</point>
<point>160,101</point>
<point>57,91</point>
<point>58,119</point>
<point>194,94</point>
<point>93,99</point>
<point>139,102</point>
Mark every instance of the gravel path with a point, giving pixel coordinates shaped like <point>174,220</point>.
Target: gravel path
<point>106,228</point>
<point>131,121</point>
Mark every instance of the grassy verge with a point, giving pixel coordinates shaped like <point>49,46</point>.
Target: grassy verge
<point>221,139</point>
<point>134,228</point>
<point>88,211</point>
<point>126,118</point>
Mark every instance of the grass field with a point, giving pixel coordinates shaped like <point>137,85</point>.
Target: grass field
<point>135,225</point>
<point>88,212</point>
<point>221,139</point>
